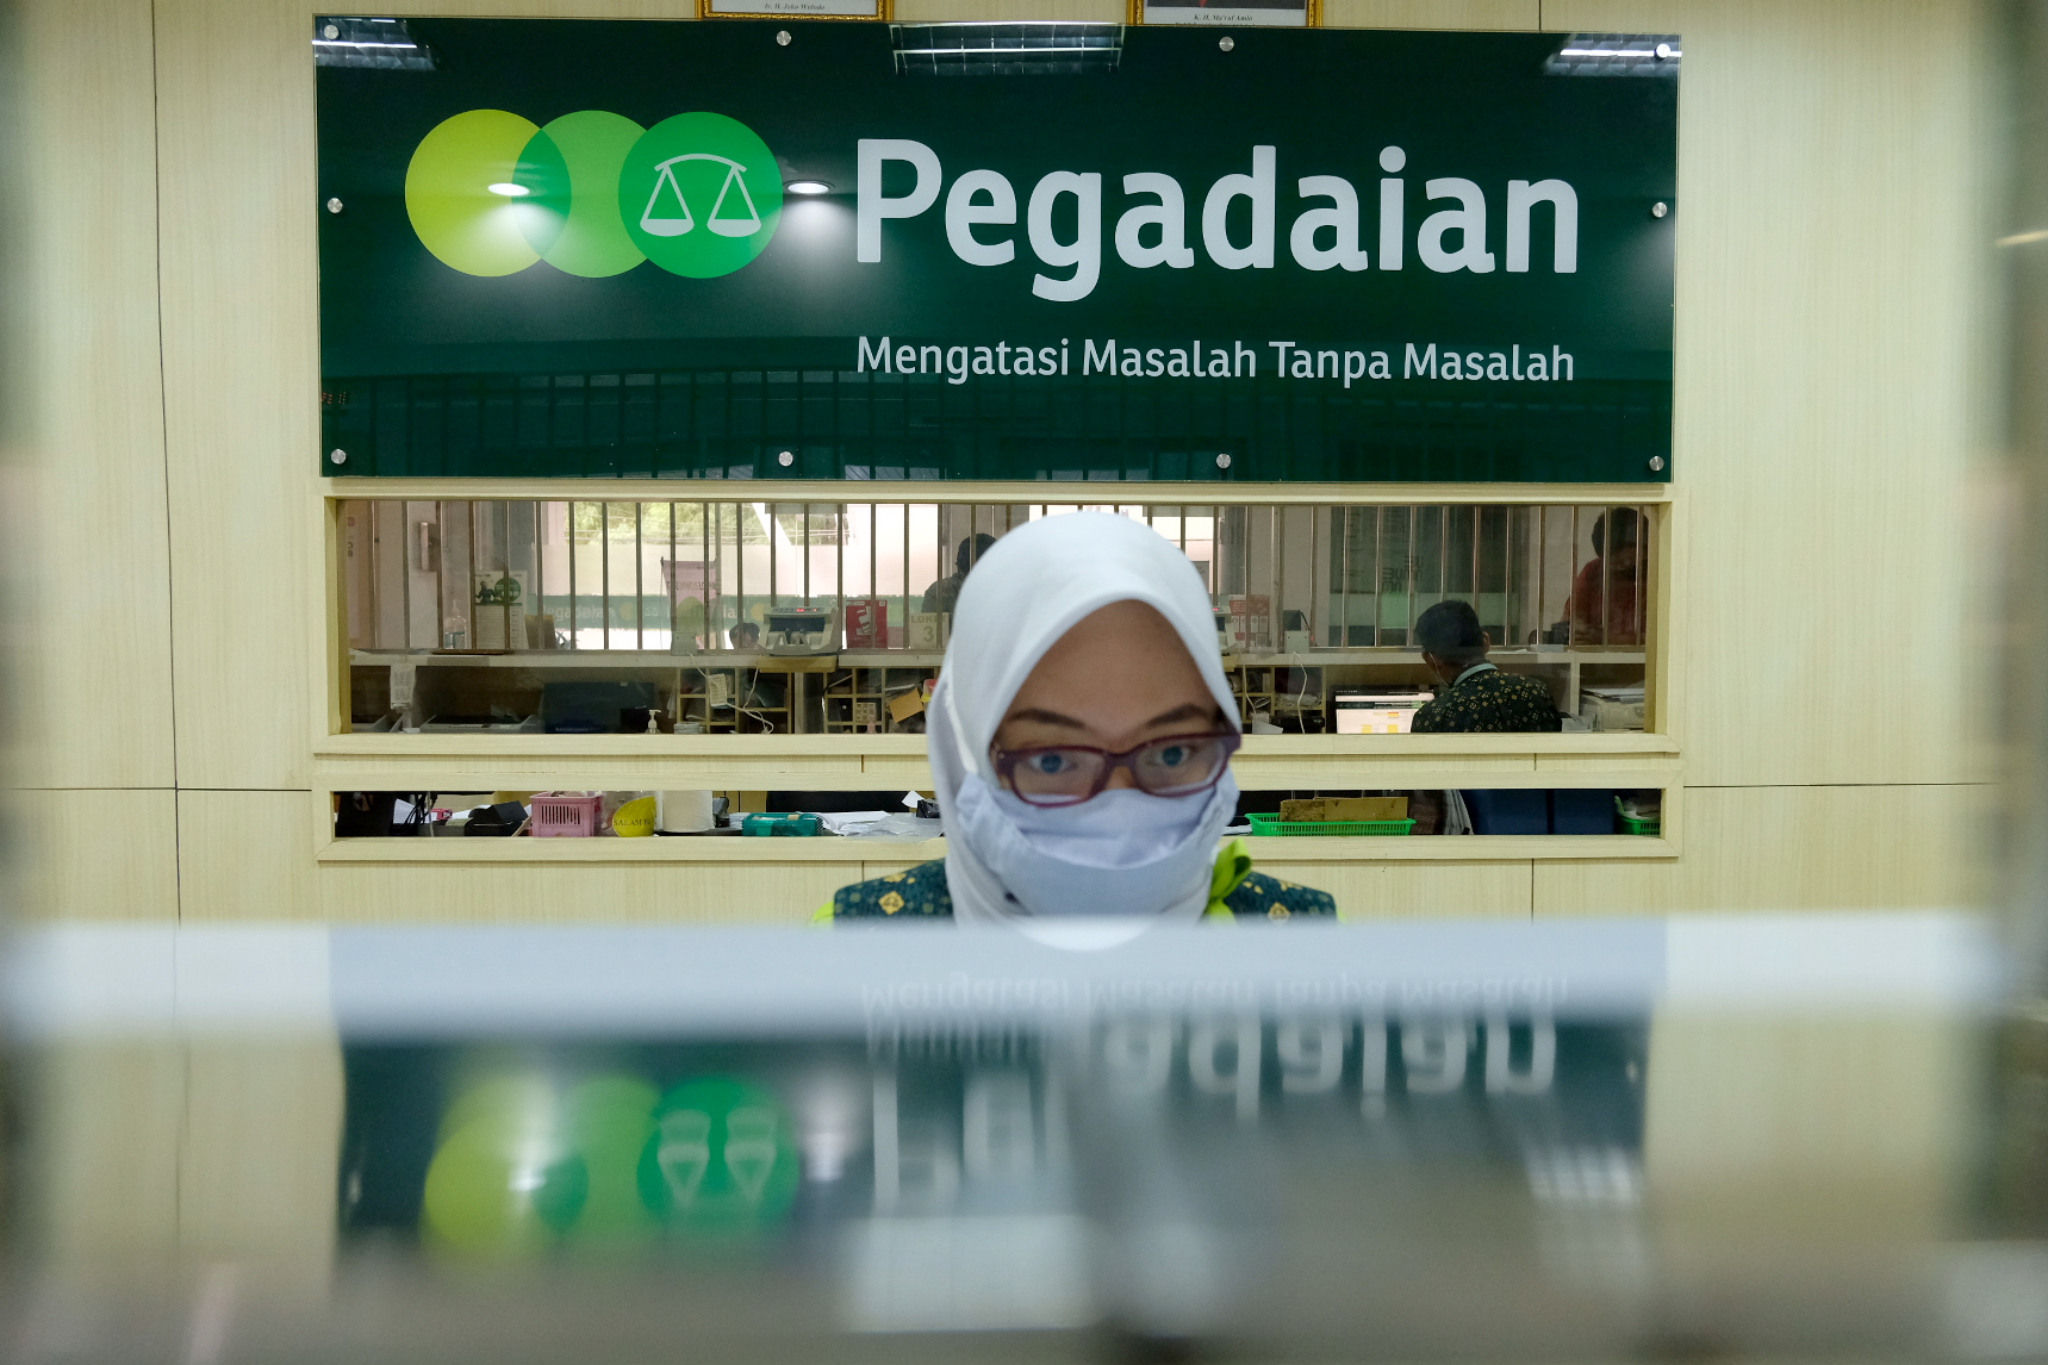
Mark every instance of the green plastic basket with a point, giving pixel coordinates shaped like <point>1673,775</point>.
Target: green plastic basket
<point>1270,826</point>
<point>1653,827</point>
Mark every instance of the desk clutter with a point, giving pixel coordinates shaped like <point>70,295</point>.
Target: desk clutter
<point>915,817</point>
<point>627,815</point>
<point>537,815</point>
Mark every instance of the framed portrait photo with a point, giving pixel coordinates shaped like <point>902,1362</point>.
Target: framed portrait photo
<point>793,9</point>
<point>1229,13</point>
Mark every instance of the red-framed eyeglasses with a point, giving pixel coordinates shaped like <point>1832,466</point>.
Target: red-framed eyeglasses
<point>1068,774</point>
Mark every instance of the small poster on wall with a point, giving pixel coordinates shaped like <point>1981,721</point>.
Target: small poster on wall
<point>867,623</point>
<point>792,9</point>
<point>1251,622</point>
<point>1236,13</point>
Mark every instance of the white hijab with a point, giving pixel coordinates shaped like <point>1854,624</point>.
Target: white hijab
<point>1033,586</point>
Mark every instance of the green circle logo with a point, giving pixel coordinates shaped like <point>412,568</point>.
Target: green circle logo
<point>700,195</point>
<point>450,196</point>
<point>569,213</point>
<point>490,193</point>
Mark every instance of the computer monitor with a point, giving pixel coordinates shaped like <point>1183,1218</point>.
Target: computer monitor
<point>1377,713</point>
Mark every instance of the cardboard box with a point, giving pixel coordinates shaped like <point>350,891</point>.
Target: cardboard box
<point>905,705</point>
<point>1346,808</point>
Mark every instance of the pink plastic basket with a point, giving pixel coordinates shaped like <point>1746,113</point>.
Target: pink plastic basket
<point>558,815</point>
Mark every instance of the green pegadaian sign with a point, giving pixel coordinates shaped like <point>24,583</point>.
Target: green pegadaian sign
<point>750,250</point>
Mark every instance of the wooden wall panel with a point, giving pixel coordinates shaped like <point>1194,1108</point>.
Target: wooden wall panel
<point>1825,319</point>
<point>100,1172</point>
<point>87,522</point>
<point>687,893</point>
<point>1789,848</point>
<point>256,1168</point>
<point>1432,890</point>
<point>99,855</point>
<point>143,1152</point>
<point>1833,1135</point>
<point>241,380</point>
<point>248,856</point>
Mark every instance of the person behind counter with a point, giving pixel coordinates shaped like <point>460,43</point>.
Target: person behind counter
<point>1080,740</point>
<point>944,594</point>
<point>1477,697</point>
<point>1607,599</point>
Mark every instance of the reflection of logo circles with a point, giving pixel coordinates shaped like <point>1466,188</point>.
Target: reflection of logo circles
<point>700,195</point>
<point>722,1160</point>
<point>522,1166</point>
<point>489,194</point>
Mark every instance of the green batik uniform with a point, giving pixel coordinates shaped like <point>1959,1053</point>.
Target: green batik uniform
<point>1485,700</point>
<point>1235,892</point>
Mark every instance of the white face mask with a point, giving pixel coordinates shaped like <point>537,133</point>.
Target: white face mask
<point>1126,852</point>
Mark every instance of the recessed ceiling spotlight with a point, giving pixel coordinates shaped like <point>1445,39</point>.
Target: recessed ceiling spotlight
<point>509,190</point>
<point>808,187</point>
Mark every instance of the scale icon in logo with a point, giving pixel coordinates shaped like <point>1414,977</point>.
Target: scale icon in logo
<point>695,172</point>
<point>680,221</point>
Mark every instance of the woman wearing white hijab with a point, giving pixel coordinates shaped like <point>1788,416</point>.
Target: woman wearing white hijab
<point>1080,740</point>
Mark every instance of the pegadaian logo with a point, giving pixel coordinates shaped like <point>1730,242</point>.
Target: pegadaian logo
<point>593,194</point>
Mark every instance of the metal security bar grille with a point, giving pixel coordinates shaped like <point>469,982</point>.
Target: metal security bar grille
<point>864,424</point>
<point>679,576</point>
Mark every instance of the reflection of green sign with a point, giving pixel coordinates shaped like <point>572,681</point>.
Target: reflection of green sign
<point>722,1159</point>
<point>489,193</point>
<point>521,1167</point>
